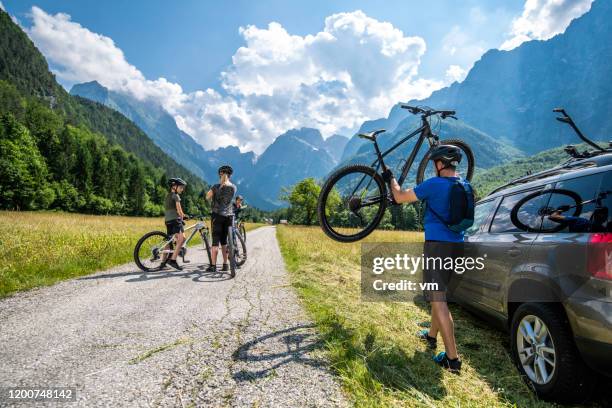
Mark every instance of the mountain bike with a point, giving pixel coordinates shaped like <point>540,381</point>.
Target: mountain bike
<point>236,246</point>
<point>353,200</point>
<point>155,247</point>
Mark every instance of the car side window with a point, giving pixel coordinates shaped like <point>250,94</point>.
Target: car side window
<point>529,213</point>
<point>481,214</point>
<point>582,204</point>
<point>605,197</point>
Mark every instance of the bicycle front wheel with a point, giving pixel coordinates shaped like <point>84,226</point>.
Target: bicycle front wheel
<point>240,249</point>
<point>151,250</point>
<point>352,203</point>
<point>465,169</point>
<point>231,248</point>
<point>243,232</point>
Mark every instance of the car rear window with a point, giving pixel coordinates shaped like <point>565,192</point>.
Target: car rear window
<point>588,199</point>
<point>529,213</point>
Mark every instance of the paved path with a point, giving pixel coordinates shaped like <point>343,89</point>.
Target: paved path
<point>190,338</point>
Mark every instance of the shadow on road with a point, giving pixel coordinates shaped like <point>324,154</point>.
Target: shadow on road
<point>196,273</point>
<point>267,353</point>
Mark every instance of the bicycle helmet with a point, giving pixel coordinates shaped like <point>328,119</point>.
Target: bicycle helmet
<point>239,197</point>
<point>448,154</point>
<point>226,169</point>
<point>177,181</point>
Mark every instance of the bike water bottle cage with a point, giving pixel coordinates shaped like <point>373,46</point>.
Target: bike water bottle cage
<point>371,135</point>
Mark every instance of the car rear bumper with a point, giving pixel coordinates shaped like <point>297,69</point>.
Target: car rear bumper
<point>591,322</point>
<point>596,354</point>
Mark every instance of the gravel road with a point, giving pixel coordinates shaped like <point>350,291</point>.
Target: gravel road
<point>189,338</point>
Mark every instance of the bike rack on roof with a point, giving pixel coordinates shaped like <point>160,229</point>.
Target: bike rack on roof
<point>577,159</point>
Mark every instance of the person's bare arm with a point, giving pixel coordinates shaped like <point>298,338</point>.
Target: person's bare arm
<point>209,194</point>
<point>402,196</point>
<point>556,216</point>
<point>179,210</point>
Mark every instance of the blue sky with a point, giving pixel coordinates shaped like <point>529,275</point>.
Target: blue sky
<point>188,56</point>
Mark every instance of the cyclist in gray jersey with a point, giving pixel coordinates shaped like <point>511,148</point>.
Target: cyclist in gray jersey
<point>221,196</point>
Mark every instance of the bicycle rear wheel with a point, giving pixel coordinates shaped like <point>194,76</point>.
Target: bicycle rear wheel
<point>465,169</point>
<point>240,249</point>
<point>231,245</point>
<point>148,253</point>
<point>352,203</point>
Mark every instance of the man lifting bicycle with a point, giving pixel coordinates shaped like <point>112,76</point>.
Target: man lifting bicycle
<point>440,241</point>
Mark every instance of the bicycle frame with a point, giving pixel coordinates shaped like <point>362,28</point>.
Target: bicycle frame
<point>235,225</point>
<point>425,133</point>
<point>197,227</point>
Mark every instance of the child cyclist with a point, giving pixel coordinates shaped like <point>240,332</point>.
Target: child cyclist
<point>238,205</point>
<point>174,217</point>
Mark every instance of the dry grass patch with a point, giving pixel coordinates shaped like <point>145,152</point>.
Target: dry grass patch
<point>42,248</point>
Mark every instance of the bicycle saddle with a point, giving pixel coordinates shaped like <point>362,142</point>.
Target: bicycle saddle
<point>371,135</point>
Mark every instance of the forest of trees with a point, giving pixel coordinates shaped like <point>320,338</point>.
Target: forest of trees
<point>48,163</point>
<point>67,153</point>
<point>302,199</point>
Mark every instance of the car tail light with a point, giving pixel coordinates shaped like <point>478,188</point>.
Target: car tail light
<point>599,263</point>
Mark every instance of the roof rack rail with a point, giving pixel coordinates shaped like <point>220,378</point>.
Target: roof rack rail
<point>568,165</point>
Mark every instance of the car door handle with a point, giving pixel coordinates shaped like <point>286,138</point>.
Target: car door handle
<point>513,252</point>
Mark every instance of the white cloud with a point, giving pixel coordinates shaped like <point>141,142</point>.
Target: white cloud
<point>455,73</point>
<point>460,45</point>
<point>355,69</point>
<point>477,16</point>
<point>543,19</point>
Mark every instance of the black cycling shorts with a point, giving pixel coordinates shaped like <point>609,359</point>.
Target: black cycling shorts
<point>435,273</point>
<point>174,227</point>
<point>220,227</point>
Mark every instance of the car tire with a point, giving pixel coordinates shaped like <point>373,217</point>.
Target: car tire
<point>570,380</point>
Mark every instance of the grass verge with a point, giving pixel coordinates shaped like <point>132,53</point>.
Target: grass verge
<point>42,248</point>
<point>372,346</point>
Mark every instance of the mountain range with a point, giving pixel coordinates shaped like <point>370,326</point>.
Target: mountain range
<point>504,106</point>
<point>294,155</point>
<point>511,94</point>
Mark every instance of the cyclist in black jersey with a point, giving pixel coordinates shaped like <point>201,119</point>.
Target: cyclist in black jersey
<point>221,195</point>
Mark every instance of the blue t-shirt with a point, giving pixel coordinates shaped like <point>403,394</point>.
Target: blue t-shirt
<point>436,192</point>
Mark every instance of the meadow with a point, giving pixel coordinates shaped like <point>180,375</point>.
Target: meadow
<point>42,248</point>
<point>373,347</point>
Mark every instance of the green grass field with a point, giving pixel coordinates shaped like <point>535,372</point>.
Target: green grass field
<point>372,346</point>
<point>42,248</point>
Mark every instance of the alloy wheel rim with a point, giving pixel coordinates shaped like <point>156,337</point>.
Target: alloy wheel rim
<point>536,349</point>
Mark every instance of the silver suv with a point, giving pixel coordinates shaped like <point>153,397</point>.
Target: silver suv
<point>547,241</point>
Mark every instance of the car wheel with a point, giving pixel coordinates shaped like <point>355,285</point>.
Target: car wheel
<point>545,354</point>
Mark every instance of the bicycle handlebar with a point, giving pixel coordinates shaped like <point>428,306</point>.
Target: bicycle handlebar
<point>415,110</point>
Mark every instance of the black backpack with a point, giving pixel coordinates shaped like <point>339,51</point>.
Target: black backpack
<point>461,207</point>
